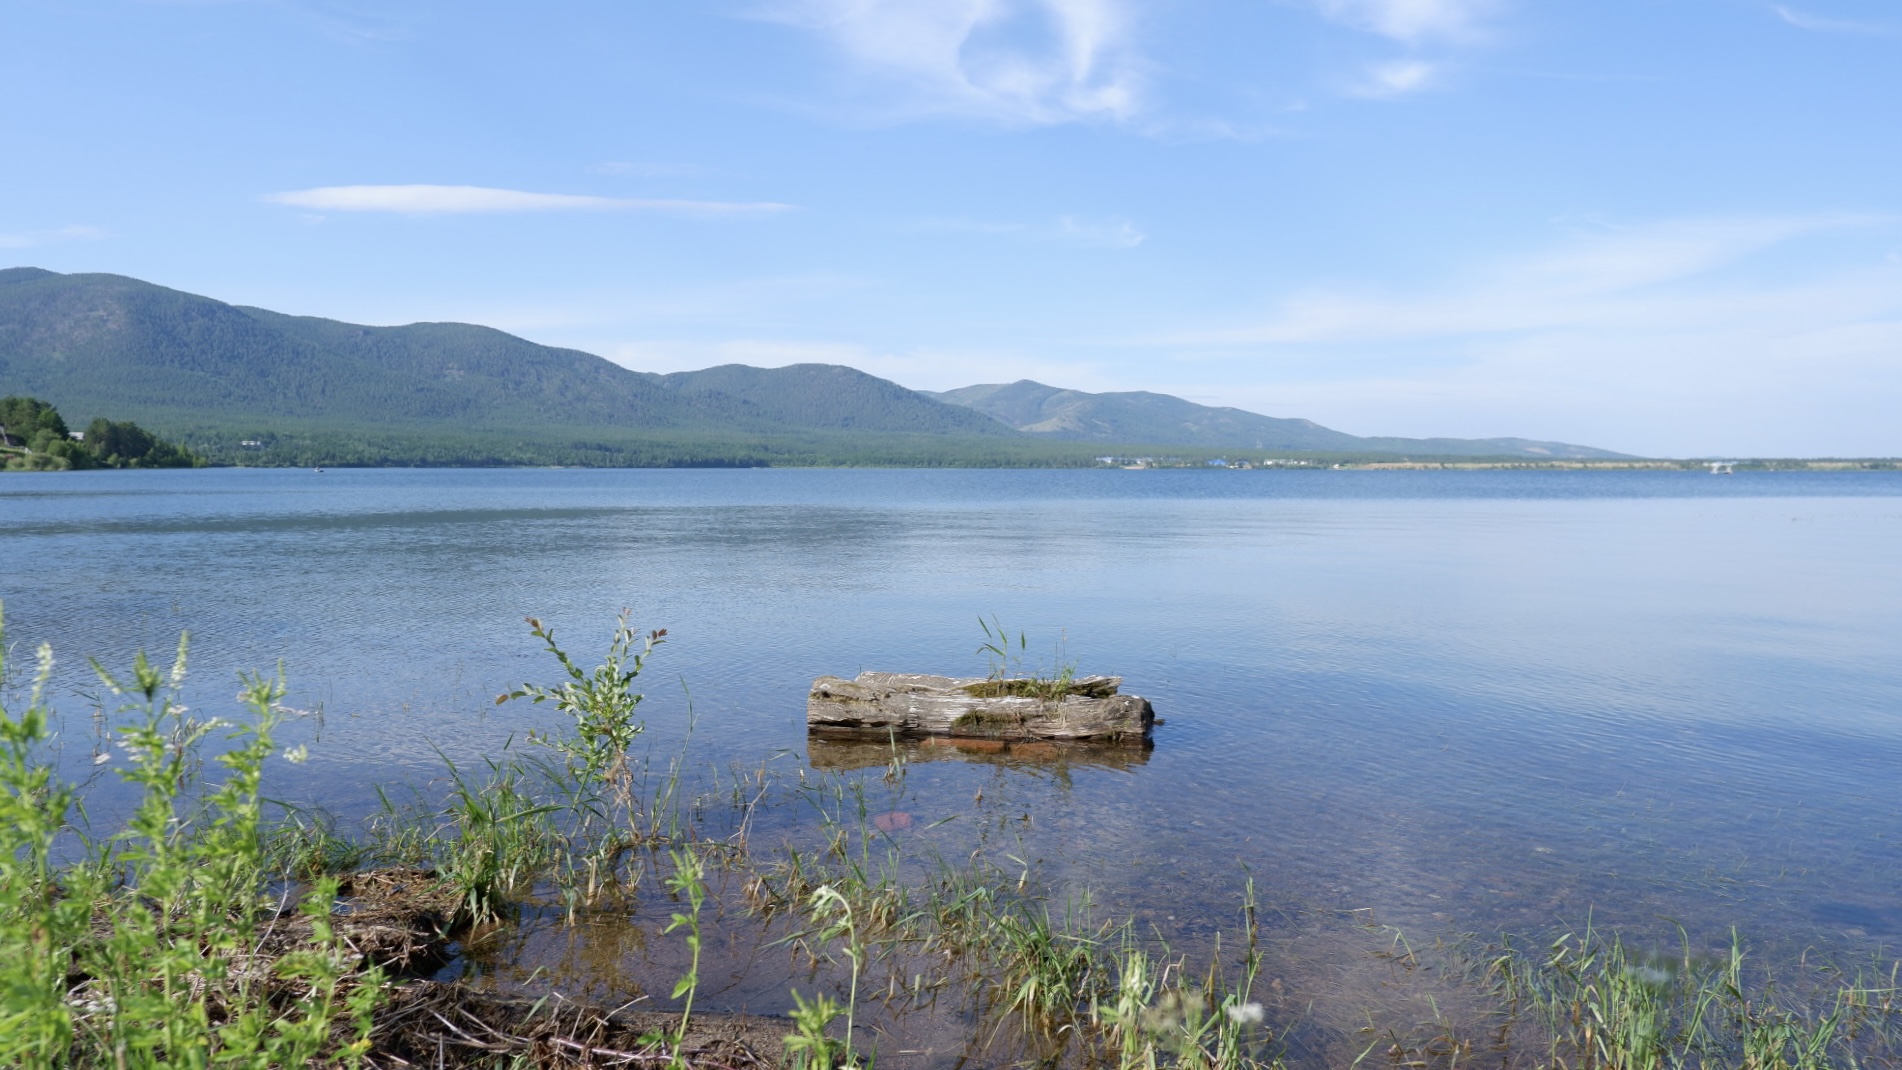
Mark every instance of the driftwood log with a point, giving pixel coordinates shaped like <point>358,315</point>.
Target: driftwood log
<point>909,704</point>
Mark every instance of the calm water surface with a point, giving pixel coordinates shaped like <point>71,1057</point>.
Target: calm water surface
<point>1475,702</point>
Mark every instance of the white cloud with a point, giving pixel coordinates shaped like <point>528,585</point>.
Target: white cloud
<point>35,238</point>
<point>1805,20</point>
<point>1661,338</point>
<point>1412,21</point>
<point>463,200</point>
<point>1397,77</point>
<point>1018,61</point>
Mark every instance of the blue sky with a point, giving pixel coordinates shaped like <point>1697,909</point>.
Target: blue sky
<point>1668,227</point>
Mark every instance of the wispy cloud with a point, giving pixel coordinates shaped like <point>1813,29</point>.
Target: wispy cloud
<point>1424,28</point>
<point>1101,234</point>
<point>1593,280</point>
<point>1413,22</point>
<point>1112,233</point>
<point>1660,338</point>
<point>479,200</point>
<point>34,238</point>
<point>1032,62</point>
<point>1806,21</point>
<point>1396,77</point>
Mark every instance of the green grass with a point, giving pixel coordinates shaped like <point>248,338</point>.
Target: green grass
<point>1591,1001</point>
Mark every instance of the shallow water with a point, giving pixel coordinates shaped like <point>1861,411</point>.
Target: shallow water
<point>1450,701</point>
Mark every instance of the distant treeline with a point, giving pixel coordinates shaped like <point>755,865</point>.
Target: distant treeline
<point>35,438</point>
<point>310,446</point>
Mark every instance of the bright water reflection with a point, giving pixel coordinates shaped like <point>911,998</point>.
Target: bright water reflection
<point>1476,701</point>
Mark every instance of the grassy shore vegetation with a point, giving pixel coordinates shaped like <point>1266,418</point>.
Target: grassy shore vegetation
<point>34,438</point>
<point>205,930</point>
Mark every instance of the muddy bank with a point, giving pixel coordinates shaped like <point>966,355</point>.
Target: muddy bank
<point>437,1024</point>
<point>407,923</point>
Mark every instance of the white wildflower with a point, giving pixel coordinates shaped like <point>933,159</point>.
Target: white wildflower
<point>296,755</point>
<point>92,1006</point>
<point>1243,1013</point>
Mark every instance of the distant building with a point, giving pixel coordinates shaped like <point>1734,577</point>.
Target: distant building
<point>77,436</point>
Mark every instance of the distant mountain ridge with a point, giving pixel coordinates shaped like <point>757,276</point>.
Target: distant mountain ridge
<point>833,397</point>
<point>230,378</point>
<point>96,342</point>
<point>1163,419</point>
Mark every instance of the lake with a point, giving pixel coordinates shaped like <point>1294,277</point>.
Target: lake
<point>1448,702</point>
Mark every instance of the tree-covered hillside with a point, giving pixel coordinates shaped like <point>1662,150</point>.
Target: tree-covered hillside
<point>252,386</point>
<point>1140,416</point>
<point>830,396</point>
<point>99,342</point>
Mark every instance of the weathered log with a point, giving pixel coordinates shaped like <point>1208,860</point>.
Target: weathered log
<point>881,703</point>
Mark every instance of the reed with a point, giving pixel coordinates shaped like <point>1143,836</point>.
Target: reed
<point>1592,1002</point>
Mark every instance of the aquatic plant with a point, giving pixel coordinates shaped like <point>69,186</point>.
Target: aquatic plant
<point>1591,1001</point>
<point>1008,673</point>
<point>495,836</point>
<point>1153,1018</point>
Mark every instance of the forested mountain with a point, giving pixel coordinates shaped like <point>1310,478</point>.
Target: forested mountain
<point>832,396</point>
<point>92,343</point>
<point>251,385</point>
<point>1140,416</point>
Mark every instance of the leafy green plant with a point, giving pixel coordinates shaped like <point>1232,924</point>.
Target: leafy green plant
<point>601,704</point>
<point>834,914</point>
<point>39,921</point>
<point>809,1046</point>
<point>688,880</point>
<point>145,951</point>
<point>603,790</point>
